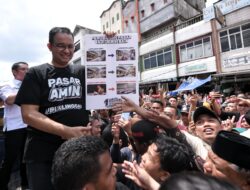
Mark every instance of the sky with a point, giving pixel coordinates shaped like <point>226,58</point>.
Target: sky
<point>25,24</point>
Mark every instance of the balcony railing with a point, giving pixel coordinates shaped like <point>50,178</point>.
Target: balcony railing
<point>169,28</point>
<point>189,22</point>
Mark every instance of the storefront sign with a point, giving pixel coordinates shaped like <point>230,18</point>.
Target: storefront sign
<point>195,68</point>
<point>226,6</point>
<point>236,61</point>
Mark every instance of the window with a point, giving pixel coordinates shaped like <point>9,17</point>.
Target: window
<point>246,35</point>
<point>165,1</point>
<point>77,46</point>
<point>107,24</point>
<point>158,58</point>
<point>196,49</point>
<point>152,7</point>
<point>132,19</point>
<point>190,50</point>
<point>142,13</point>
<point>153,60</point>
<point>235,38</point>
<point>113,20</point>
<point>224,41</point>
<point>117,16</point>
<point>103,27</point>
<point>207,47</point>
<point>183,53</point>
<point>118,31</point>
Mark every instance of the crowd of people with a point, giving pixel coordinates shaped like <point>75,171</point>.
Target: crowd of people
<point>166,142</point>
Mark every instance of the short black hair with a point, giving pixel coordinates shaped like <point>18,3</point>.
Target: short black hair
<point>76,162</point>
<point>56,30</point>
<point>158,102</point>
<point>176,110</point>
<point>174,156</point>
<point>16,65</point>
<point>172,97</point>
<point>195,180</point>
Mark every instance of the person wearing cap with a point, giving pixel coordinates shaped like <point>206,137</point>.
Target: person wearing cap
<point>231,164</point>
<point>207,125</point>
<point>142,134</point>
<point>166,124</point>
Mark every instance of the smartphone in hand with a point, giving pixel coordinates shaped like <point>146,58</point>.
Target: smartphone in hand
<point>125,116</point>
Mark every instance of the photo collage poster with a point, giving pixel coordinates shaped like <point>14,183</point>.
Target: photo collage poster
<point>111,66</point>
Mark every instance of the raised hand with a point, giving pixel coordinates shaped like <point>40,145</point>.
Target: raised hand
<point>192,100</point>
<point>228,124</point>
<point>126,105</point>
<point>137,174</point>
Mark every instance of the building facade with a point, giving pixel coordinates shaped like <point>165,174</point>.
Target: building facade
<point>232,29</point>
<point>111,19</point>
<point>176,42</point>
<point>79,33</point>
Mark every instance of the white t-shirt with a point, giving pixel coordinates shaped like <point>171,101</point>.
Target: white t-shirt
<point>246,133</point>
<point>199,146</point>
<point>12,113</point>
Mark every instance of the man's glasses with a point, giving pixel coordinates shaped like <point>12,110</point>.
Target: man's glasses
<point>62,47</point>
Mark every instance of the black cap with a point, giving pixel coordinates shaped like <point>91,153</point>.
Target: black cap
<point>144,131</point>
<point>233,147</point>
<point>204,111</point>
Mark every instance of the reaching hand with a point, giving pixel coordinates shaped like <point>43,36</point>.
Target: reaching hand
<point>109,34</point>
<point>137,174</point>
<point>126,105</point>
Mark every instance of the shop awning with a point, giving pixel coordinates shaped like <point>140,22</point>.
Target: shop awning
<point>193,85</point>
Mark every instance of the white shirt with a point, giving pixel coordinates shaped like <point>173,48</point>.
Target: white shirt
<point>200,147</point>
<point>246,133</point>
<point>12,113</point>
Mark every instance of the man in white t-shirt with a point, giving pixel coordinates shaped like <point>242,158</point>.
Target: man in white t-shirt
<point>14,127</point>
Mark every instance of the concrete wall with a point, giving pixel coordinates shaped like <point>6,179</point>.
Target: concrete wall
<point>241,15</point>
<point>153,19</point>
<point>161,73</point>
<point>112,13</point>
<point>200,66</point>
<point>128,12</point>
<point>193,31</point>
<point>159,43</point>
<point>79,38</point>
